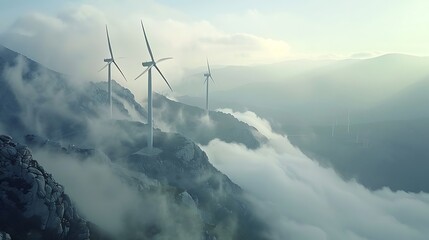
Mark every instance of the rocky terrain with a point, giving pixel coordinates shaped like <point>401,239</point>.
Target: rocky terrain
<point>33,205</point>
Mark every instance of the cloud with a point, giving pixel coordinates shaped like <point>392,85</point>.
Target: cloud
<point>302,200</point>
<point>124,203</point>
<point>29,85</point>
<point>64,43</point>
<point>74,42</point>
<point>278,142</point>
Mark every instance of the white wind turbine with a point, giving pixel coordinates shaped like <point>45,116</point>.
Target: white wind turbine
<point>206,81</point>
<point>150,64</point>
<point>109,74</point>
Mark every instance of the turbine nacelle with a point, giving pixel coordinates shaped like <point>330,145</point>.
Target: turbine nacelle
<point>209,73</point>
<point>148,64</point>
<point>108,60</point>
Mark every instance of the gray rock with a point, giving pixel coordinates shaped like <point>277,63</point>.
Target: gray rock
<point>187,152</point>
<point>35,171</point>
<point>60,210</point>
<point>187,200</point>
<point>4,236</point>
<point>41,186</point>
<point>48,191</point>
<point>5,138</point>
<point>30,199</point>
<point>8,152</point>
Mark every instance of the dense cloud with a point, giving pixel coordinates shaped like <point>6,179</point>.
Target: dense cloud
<point>302,200</point>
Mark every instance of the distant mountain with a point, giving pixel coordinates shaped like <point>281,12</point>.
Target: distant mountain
<point>408,104</point>
<point>391,154</point>
<point>231,77</point>
<point>316,95</point>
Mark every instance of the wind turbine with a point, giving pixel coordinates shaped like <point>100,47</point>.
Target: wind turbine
<point>207,75</point>
<point>109,61</point>
<point>348,121</point>
<point>150,64</point>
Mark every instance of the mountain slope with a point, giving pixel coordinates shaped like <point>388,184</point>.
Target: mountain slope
<point>194,123</point>
<point>408,104</point>
<point>391,154</point>
<point>182,168</point>
<point>70,130</point>
<point>38,100</point>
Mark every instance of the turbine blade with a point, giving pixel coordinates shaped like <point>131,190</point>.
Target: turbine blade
<point>108,41</point>
<point>163,59</point>
<point>147,42</point>
<point>212,78</point>
<point>103,67</point>
<point>208,67</point>
<point>162,75</point>
<point>205,80</point>
<point>141,74</point>
<point>120,70</point>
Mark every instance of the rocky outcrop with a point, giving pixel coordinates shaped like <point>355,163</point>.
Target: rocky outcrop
<point>32,204</point>
<point>4,236</point>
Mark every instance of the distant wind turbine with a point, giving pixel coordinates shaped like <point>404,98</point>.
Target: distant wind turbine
<point>150,64</point>
<point>109,74</point>
<point>206,81</point>
<point>348,121</point>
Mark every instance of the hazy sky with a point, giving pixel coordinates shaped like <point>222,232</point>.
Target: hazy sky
<point>309,26</point>
<point>58,33</point>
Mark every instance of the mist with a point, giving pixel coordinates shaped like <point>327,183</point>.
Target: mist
<point>121,201</point>
<point>302,200</point>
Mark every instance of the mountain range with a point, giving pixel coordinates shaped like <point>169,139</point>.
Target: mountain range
<point>316,92</point>
<point>384,97</point>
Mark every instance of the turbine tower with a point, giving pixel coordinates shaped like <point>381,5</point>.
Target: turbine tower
<point>150,64</point>
<point>206,81</point>
<point>348,121</point>
<point>108,62</point>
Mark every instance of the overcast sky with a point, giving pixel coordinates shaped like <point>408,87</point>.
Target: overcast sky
<point>57,33</point>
